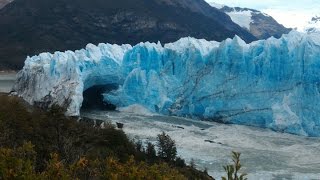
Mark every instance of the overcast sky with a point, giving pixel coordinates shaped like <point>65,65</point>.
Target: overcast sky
<point>291,13</point>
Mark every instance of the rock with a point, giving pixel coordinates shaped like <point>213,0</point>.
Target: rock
<point>209,141</point>
<point>179,127</point>
<point>213,142</point>
<point>120,125</point>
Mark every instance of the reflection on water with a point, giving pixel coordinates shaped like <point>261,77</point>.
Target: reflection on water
<point>6,81</point>
<point>265,154</point>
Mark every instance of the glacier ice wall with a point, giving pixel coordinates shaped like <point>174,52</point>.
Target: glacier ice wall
<point>273,83</point>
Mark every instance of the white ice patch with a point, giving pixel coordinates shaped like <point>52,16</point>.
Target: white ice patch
<point>136,109</point>
<point>283,115</point>
<point>242,18</point>
<point>216,5</point>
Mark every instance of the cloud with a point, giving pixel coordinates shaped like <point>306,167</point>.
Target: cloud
<point>291,18</point>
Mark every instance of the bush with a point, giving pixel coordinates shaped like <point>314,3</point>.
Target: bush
<point>233,169</point>
<point>18,163</point>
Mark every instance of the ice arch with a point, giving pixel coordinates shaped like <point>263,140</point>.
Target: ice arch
<point>62,77</point>
<point>272,83</point>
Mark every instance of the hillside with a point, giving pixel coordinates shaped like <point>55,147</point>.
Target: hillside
<point>28,27</point>
<point>4,3</point>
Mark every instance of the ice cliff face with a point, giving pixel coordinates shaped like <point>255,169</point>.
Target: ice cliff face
<point>274,83</point>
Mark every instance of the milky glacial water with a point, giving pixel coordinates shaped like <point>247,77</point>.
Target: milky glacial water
<point>6,81</point>
<point>265,154</point>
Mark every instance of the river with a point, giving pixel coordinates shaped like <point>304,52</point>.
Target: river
<point>265,154</point>
<point>6,81</point>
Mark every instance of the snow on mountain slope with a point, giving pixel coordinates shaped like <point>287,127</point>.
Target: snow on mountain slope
<point>242,18</point>
<point>313,25</point>
<point>273,83</point>
<point>258,23</point>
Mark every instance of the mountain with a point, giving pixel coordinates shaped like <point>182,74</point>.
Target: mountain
<point>271,83</point>
<point>313,25</point>
<point>29,27</point>
<point>4,3</point>
<point>259,24</point>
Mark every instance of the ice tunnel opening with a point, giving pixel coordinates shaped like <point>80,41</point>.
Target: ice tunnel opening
<point>93,98</point>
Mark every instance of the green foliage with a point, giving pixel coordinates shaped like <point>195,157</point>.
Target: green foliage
<point>140,170</point>
<point>233,169</point>
<point>151,151</point>
<point>166,147</point>
<point>17,163</point>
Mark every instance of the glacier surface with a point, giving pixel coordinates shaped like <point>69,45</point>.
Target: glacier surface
<point>273,83</point>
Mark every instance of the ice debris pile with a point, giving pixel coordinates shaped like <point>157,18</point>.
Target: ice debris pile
<point>273,83</point>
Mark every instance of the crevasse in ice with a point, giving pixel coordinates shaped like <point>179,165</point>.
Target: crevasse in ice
<point>273,83</point>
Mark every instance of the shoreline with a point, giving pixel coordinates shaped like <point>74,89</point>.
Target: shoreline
<point>8,72</point>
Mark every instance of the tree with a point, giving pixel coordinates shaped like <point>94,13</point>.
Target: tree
<point>139,146</point>
<point>151,151</point>
<point>166,147</point>
<point>233,169</point>
<point>192,163</point>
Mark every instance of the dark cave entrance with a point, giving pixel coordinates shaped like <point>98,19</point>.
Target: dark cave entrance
<point>93,98</point>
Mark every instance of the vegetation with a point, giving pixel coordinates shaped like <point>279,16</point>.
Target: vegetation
<point>233,169</point>
<point>19,163</point>
<point>47,145</point>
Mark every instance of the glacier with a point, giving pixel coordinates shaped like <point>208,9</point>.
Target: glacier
<point>273,83</point>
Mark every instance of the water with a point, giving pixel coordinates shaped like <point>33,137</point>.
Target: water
<point>265,154</point>
<point>6,81</point>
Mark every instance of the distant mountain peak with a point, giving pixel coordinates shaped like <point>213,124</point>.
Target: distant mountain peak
<point>260,24</point>
<point>313,25</point>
